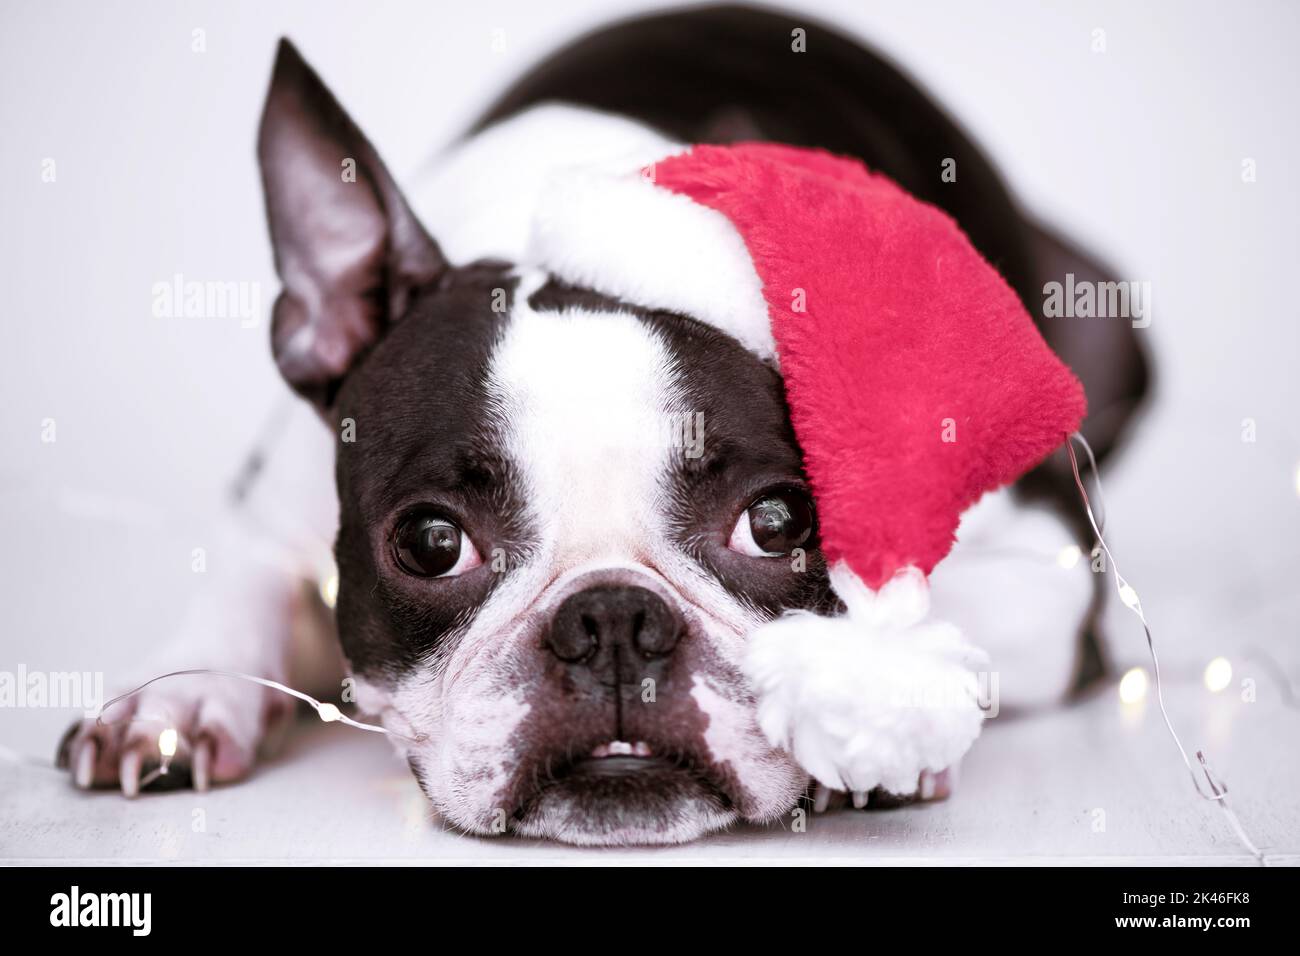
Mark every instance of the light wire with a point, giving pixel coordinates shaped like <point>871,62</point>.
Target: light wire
<point>326,711</point>
<point>1129,598</point>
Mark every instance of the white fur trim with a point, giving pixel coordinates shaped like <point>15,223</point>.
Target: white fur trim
<point>624,236</point>
<point>870,698</point>
<point>479,199</point>
<point>560,188</point>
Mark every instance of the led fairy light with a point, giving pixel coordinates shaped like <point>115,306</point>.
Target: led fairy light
<point>328,585</point>
<point>1218,675</point>
<point>1068,557</point>
<point>1129,596</point>
<point>1133,686</point>
<point>167,742</point>
<point>327,712</point>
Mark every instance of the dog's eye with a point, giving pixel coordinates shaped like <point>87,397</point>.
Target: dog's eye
<point>773,525</point>
<point>429,546</point>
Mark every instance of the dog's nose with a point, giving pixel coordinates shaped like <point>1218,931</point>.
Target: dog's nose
<point>607,625</point>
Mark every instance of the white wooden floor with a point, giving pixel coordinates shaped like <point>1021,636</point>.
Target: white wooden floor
<point>1089,785</point>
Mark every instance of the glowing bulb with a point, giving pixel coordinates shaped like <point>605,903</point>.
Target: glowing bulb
<point>1069,556</point>
<point>167,742</point>
<point>1128,596</point>
<point>1133,686</point>
<point>1218,674</point>
<point>328,712</point>
<point>329,589</point>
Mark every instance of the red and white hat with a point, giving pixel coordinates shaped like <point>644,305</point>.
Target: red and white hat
<point>916,382</point>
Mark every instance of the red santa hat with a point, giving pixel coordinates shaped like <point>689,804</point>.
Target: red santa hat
<point>916,382</point>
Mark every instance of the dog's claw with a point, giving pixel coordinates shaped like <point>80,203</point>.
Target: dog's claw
<point>83,774</point>
<point>821,798</point>
<point>201,764</point>
<point>939,785</point>
<point>129,772</point>
<point>930,785</point>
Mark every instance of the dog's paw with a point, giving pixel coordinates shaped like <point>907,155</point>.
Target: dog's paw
<point>220,725</point>
<point>931,786</point>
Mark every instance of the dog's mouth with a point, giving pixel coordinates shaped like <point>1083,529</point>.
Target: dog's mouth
<point>622,791</point>
<point>618,760</point>
<point>633,763</point>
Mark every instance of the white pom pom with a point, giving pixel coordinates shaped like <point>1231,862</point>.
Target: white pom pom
<point>870,698</point>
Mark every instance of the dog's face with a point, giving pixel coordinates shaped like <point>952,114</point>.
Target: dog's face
<point>560,515</point>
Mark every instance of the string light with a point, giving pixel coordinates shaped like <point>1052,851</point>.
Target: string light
<point>1133,686</point>
<point>1068,557</point>
<point>1129,597</point>
<point>1218,674</point>
<point>327,712</point>
<point>167,742</point>
<point>329,588</point>
<point>1128,594</point>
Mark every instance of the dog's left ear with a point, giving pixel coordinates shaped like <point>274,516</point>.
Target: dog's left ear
<point>347,246</point>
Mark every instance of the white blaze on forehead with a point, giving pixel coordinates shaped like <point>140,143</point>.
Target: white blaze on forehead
<point>587,403</point>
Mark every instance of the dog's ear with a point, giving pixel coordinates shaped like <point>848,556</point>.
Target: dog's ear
<point>347,246</point>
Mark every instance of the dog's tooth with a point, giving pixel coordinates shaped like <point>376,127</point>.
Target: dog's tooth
<point>620,748</point>
<point>821,798</point>
<point>600,751</point>
<point>859,799</point>
<point>642,749</point>
<point>129,772</point>
<point>201,763</point>
<point>85,765</point>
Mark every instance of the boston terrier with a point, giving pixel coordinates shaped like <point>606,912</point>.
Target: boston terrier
<point>555,514</point>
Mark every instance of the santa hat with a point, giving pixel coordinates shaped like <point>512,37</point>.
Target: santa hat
<point>916,382</point>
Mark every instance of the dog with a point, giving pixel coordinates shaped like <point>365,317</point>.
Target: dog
<point>544,597</point>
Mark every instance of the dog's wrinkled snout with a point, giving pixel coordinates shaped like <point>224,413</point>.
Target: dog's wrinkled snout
<point>609,627</point>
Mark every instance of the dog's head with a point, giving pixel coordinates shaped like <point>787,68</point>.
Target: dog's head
<point>560,514</point>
